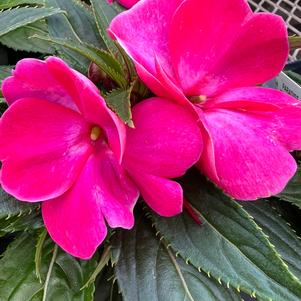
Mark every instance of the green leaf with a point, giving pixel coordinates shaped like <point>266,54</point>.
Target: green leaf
<point>15,18</point>
<point>292,191</point>
<point>119,102</point>
<point>5,71</point>
<point>82,24</point>
<point>147,270</point>
<point>104,14</point>
<point>229,245</point>
<point>18,280</point>
<point>78,26</point>
<point>20,39</point>
<point>287,243</point>
<point>17,216</point>
<point>10,207</point>
<point>12,3</point>
<point>98,56</point>
<point>106,288</point>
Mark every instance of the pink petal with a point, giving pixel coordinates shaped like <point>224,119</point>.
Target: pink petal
<point>283,108</point>
<point>43,146</point>
<point>288,127</point>
<point>32,78</point>
<point>75,220</point>
<point>164,196</point>
<point>223,45</point>
<point>128,3</point>
<point>252,98</point>
<point>90,103</point>
<point>166,140</point>
<point>133,29</point>
<point>250,161</point>
<point>114,189</point>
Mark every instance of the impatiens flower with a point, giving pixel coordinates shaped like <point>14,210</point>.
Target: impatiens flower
<point>60,144</point>
<point>210,55</point>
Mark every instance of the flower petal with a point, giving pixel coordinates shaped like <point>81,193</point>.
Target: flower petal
<point>166,140</point>
<point>252,98</point>
<point>164,196</point>
<point>250,161</point>
<point>216,56</point>
<point>43,146</point>
<point>75,220</point>
<point>128,3</point>
<point>32,78</point>
<point>90,103</point>
<point>116,191</point>
<point>133,29</point>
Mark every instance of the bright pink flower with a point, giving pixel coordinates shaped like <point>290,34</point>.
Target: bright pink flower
<point>60,144</point>
<point>205,54</point>
<point>126,3</point>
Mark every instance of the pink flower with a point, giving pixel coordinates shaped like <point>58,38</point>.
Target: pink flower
<point>126,3</point>
<point>210,55</point>
<point>60,144</point>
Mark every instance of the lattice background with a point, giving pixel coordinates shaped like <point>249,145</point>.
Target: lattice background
<point>290,10</point>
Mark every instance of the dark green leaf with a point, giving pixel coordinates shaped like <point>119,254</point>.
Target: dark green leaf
<point>292,191</point>
<point>95,55</point>
<point>20,39</point>
<point>119,102</point>
<point>229,245</point>
<point>287,243</point>
<point>15,18</point>
<point>17,216</point>
<point>82,26</point>
<point>12,3</point>
<point>104,14</point>
<point>76,25</point>
<point>106,288</point>
<point>147,270</point>
<point>18,281</point>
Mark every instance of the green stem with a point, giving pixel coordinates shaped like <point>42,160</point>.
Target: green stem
<point>49,272</point>
<point>105,257</point>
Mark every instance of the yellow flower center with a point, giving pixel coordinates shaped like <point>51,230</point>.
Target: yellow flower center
<point>198,99</point>
<point>95,133</point>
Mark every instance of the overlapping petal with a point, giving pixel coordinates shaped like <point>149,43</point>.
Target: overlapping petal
<point>164,144</point>
<point>215,56</point>
<point>54,81</point>
<point>43,146</point>
<point>90,103</point>
<point>166,140</point>
<point>207,30</point>
<point>143,32</point>
<point>164,196</point>
<point>75,220</point>
<point>251,162</point>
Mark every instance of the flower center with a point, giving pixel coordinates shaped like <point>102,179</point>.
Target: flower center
<point>198,99</point>
<point>95,133</point>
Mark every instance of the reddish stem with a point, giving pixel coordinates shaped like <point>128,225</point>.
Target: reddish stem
<point>192,212</point>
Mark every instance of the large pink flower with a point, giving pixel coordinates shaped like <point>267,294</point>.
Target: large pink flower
<point>60,144</point>
<point>205,54</point>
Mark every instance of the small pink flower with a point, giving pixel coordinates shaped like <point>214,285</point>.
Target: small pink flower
<point>60,144</point>
<point>207,55</point>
